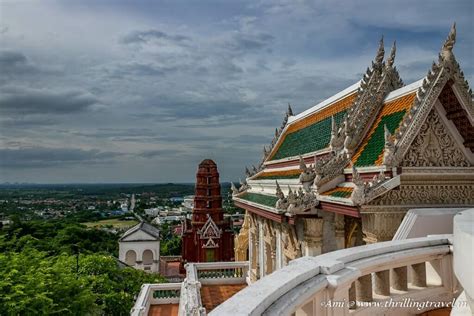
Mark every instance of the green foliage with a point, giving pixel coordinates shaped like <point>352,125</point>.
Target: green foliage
<point>55,237</point>
<point>56,267</point>
<point>33,283</point>
<point>170,243</point>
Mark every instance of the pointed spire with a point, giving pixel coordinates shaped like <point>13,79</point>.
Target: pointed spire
<point>279,192</point>
<point>380,53</point>
<point>391,58</point>
<point>333,126</point>
<point>451,39</point>
<point>302,164</point>
<point>234,189</point>
<point>247,172</point>
<point>387,133</point>
<point>447,49</point>
<point>289,112</point>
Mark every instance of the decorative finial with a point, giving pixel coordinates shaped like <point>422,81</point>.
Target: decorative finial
<point>387,133</point>
<point>380,53</point>
<point>289,112</point>
<point>447,50</point>
<point>333,126</point>
<point>391,58</point>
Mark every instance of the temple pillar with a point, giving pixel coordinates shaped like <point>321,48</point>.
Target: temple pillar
<point>313,236</point>
<point>340,232</point>
<point>329,232</point>
<point>278,250</point>
<point>261,251</point>
<point>380,226</point>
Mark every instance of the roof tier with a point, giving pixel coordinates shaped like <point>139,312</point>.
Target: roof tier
<point>313,132</point>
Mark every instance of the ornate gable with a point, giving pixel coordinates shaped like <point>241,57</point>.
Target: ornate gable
<point>434,146</point>
<point>210,230</point>
<point>444,73</point>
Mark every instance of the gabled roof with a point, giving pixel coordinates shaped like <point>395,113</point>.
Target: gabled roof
<point>298,138</point>
<point>145,227</point>
<point>370,152</point>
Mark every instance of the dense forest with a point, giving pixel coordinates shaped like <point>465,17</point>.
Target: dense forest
<point>64,268</point>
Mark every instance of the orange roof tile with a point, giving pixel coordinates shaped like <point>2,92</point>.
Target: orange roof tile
<point>339,192</point>
<point>214,295</point>
<point>280,174</point>
<point>163,310</point>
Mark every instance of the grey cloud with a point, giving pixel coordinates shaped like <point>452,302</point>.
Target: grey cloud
<point>14,63</point>
<point>160,153</point>
<point>141,37</point>
<point>140,69</point>
<point>251,42</point>
<point>23,100</point>
<point>33,157</point>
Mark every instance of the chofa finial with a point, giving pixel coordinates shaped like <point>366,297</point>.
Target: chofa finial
<point>380,53</point>
<point>391,58</point>
<point>289,112</point>
<point>451,39</point>
<point>447,50</point>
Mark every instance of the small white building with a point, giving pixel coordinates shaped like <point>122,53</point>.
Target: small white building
<point>139,247</point>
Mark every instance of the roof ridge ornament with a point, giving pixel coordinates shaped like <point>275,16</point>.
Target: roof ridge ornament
<point>389,148</point>
<point>380,53</point>
<point>447,49</point>
<point>393,51</point>
<point>289,112</point>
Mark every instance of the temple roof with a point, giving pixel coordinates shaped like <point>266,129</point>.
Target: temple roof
<point>371,151</point>
<point>351,148</point>
<point>298,138</point>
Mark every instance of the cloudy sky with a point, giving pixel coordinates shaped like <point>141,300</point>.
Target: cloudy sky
<point>142,91</point>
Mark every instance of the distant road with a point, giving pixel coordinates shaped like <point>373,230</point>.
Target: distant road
<point>132,207</point>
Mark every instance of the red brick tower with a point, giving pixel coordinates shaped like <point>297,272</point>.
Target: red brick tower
<point>207,237</point>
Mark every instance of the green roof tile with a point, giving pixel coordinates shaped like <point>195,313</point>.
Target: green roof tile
<point>276,177</point>
<point>260,199</point>
<point>376,142</point>
<point>308,139</point>
<point>341,194</point>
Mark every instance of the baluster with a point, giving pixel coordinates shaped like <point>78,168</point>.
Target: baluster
<point>352,296</point>
<point>382,282</point>
<point>399,278</point>
<point>364,288</point>
<point>419,274</point>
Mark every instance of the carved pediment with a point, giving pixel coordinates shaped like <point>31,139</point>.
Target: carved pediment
<point>434,146</point>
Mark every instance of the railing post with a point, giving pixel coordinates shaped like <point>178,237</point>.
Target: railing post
<point>399,278</point>
<point>419,274</point>
<point>352,296</point>
<point>364,288</point>
<point>382,282</point>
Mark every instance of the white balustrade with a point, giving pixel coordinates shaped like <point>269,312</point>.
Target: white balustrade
<point>379,277</point>
<point>154,294</point>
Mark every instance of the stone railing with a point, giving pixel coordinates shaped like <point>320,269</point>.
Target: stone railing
<point>188,293</point>
<point>372,279</point>
<point>154,294</point>
<point>222,272</point>
<point>198,274</point>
